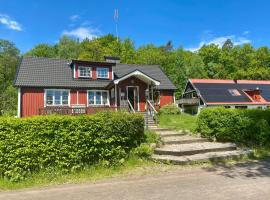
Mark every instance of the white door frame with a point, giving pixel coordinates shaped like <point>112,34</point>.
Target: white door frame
<point>138,95</point>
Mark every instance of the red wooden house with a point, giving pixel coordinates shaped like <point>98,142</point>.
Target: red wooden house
<point>48,86</point>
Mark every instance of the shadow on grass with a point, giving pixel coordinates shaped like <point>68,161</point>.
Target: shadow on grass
<point>250,169</point>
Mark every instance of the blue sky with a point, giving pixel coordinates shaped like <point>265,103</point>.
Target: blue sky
<point>188,23</point>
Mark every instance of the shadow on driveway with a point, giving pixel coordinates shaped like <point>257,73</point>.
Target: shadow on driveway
<point>250,169</point>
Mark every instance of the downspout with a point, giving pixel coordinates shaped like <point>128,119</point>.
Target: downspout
<point>19,103</point>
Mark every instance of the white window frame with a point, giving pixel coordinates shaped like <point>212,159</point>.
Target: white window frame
<point>101,68</point>
<point>108,98</point>
<point>61,90</point>
<point>83,67</point>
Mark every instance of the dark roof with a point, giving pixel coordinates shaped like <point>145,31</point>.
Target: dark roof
<point>152,71</point>
<point>48,72</point>
<point>217,91</point>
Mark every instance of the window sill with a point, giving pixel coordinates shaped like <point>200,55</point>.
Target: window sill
<point>103,78</point>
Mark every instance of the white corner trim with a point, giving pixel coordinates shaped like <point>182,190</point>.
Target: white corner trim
<point>74,71</point>
<point>136,72</point>
<point>19,103</point>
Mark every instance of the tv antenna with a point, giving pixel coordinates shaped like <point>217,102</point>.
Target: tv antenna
<point>116,16</point>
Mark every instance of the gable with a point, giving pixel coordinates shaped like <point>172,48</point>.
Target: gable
<point>152,71</point>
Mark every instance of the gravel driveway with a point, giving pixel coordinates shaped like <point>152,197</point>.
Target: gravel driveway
<point>249,180</point>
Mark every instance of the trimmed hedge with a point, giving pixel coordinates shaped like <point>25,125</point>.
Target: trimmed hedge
<point>66,142</point>
<point>246,126</point>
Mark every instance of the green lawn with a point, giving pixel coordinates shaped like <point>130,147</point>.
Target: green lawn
<point>179,122</point>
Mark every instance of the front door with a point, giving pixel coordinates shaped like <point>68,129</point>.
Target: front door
<point>132,95</point>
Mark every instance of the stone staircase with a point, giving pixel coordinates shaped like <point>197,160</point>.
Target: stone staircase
<point>151,122</point>
<point>181,147</point>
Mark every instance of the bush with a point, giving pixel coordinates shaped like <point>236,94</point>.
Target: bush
<point>250,127</point>
<point>170,109</point>
<point>143,151</point>
<point>65,142</point>
<point>152,137</point>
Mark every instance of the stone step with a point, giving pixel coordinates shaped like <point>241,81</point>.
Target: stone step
<point>185,139</point>
<point>169,133</point>
<point>194,148</point>
<point>158,129</point>
<point>204,157</point>
<point>151,122</point>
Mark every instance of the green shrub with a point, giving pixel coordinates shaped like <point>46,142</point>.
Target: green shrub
<point>152,137</point>
<point>143,151</point>
<point>250,126</point>
<point>65,142</point>
<point>170,109</point>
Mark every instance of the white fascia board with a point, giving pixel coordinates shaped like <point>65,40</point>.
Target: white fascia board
<point>138,73</point>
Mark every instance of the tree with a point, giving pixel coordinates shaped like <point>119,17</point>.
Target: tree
<point>228,44</point>
<point>42,50</point>
<point>9,57</point>
<point>68,48</point>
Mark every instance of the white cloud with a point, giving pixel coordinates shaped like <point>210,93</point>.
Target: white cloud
<point>74,17</point>
<point>220,41</point>
<point>9,23</point>
<point>82,33</point>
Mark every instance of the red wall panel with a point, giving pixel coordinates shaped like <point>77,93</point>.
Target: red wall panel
<point>83,97</point>
<point>73,97</point>
<point>166,97</point>
<point>32,99</point>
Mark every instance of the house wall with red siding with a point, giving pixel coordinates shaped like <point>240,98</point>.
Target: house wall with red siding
<point>166,97</point>
<point>78,97</point>
<point>83,97</point>
<point>31,100</point>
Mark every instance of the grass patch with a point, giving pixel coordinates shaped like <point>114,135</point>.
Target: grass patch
<point>131,166</point>
<point>179,122</point>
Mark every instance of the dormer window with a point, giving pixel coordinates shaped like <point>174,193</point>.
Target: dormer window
<point>103,72</point>
<point>85,72</point>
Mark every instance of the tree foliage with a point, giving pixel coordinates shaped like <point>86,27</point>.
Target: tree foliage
<point>9,57</point>
<point>210,61</point>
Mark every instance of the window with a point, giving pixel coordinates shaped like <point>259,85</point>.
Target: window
<point>102,72</point>
<point>98,97</point>
<point>234,92</point>
<point>84,72</point>
<point>57,97</point>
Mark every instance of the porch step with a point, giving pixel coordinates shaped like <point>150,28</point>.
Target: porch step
<point>194,148</point>
<point>204,157</point>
